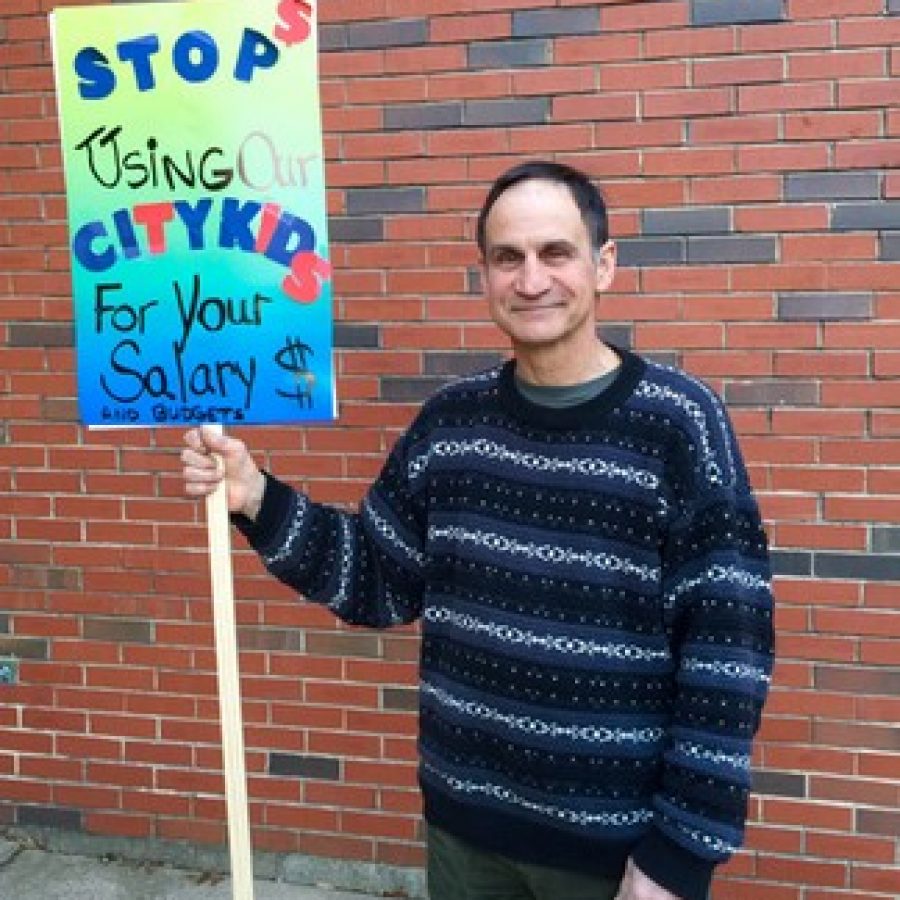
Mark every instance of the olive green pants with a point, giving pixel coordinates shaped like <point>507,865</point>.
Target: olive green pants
<point>458,871</point>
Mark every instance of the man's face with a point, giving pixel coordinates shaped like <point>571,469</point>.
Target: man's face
<point>540,275</point>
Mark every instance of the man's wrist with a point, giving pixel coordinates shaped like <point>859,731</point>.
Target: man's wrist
<point>255,496</point>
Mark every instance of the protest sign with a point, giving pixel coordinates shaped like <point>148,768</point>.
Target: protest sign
<point>192,152</point>
<point>201,284</point>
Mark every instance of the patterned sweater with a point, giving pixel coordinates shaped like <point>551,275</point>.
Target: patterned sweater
<point>593,590</point>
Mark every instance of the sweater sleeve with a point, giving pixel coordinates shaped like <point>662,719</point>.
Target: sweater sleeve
<point>718,600</point>
<point>366,566</point>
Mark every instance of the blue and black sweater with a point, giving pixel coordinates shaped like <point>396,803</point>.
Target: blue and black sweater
<point>594,593</point>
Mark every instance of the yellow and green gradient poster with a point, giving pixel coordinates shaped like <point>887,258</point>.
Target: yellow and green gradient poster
<point>192,149</point>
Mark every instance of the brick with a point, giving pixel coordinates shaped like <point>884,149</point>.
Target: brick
<point>696,102</point>
<point>420,60</point>
<point>385,200</point>
<point>885,539</point>
<point>863,154</point>
<point>625,76</point>
<point>651,251</point>
<point>832,185</point>
<point>857,680</point>
<point>760,392</point>
<point>509,54</point>
<point>805,95</point>
<point>852,364</point>
<point>119,630</point>
<point>355,229</point>
<point>24,647</point>
<point>49,817</point>
<point>802,872</point>
<point>527,111</point>
<point>862,216</point>
<point>331,37</point>
<point>746,129</point>
<point>403,699</point>
<point>885,879</point>
<point>867,394</point>
<point>347,335</point>
<point>802,812</point>
<point>878,821</point>
<point>853,790</point>
<point>781,784</point>
<point>835,126</point>
<point>644,17</point>
<point>40,334</point>
<point>786,562</point>
<point>736,12</point>
<point>470,26</point>
<point>709,220</point>
<point>786,36</point>
<point>889,247</point>
<point>424,116</point>
<point>870,567</point>
<point>821,537</point>
<point>272,639</point>
<point>821,306</point>
<point>870,92</point>
<point>737,189</point>
<point>374,35</point>
<point>887,365</point>
<point>870,31</point>
<point>862,509</point>
<point>732,249</point>
<point>595,107</point>
<point>783,157</point>
<point>444,364</point>
<point>738,70</point>
<point>689,43</point>
<point>409,390</point>
<point>337,644</point>
<point>553,22</point>
<point>856,334</point>
<point>840,65</point>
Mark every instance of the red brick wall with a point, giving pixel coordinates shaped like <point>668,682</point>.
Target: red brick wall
<point>752,167</point>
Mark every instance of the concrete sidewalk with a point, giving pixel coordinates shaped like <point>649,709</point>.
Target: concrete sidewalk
<point>30,873</point>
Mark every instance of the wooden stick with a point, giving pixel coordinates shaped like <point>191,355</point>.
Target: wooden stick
<point>233,762</point>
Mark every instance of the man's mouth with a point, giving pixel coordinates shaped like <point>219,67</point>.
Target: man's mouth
<point>540,307</point>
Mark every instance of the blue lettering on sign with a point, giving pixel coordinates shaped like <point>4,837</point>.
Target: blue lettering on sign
<point>194,55</point>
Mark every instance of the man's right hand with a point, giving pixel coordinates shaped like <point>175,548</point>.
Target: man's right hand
<point>209,457</point>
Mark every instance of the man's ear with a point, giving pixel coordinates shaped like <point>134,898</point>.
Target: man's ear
<point>606,265</point>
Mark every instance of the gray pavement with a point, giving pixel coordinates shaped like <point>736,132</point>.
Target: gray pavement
<point>28,872</point>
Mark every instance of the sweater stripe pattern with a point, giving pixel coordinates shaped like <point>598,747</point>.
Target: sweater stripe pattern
<point>594,595</point>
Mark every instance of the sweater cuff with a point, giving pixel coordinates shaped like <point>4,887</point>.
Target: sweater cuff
<point>672,867</point>
<point>274,509</point>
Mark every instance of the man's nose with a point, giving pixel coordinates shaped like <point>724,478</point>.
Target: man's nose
<point>531,279</point>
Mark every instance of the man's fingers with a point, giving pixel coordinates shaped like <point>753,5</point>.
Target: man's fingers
<point>194,440</point>
<point>201,470</point>
<point>209,458</point>
<point>198,460</point>
<point>198,489</point>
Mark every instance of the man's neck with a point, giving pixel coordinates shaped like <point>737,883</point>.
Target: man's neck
<point>556,366</point>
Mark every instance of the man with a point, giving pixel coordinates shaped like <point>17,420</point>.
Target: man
<point>576,532</point>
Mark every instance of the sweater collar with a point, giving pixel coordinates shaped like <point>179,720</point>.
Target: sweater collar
<point>583,414</point>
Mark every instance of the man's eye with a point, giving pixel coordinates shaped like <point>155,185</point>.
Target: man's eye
<point>505,258</point>
<point>556,253</point>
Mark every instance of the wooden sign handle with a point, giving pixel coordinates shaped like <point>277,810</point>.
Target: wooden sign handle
<point>233,762</point>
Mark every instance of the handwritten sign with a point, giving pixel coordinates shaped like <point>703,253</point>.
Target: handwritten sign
<point>192,149</point>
